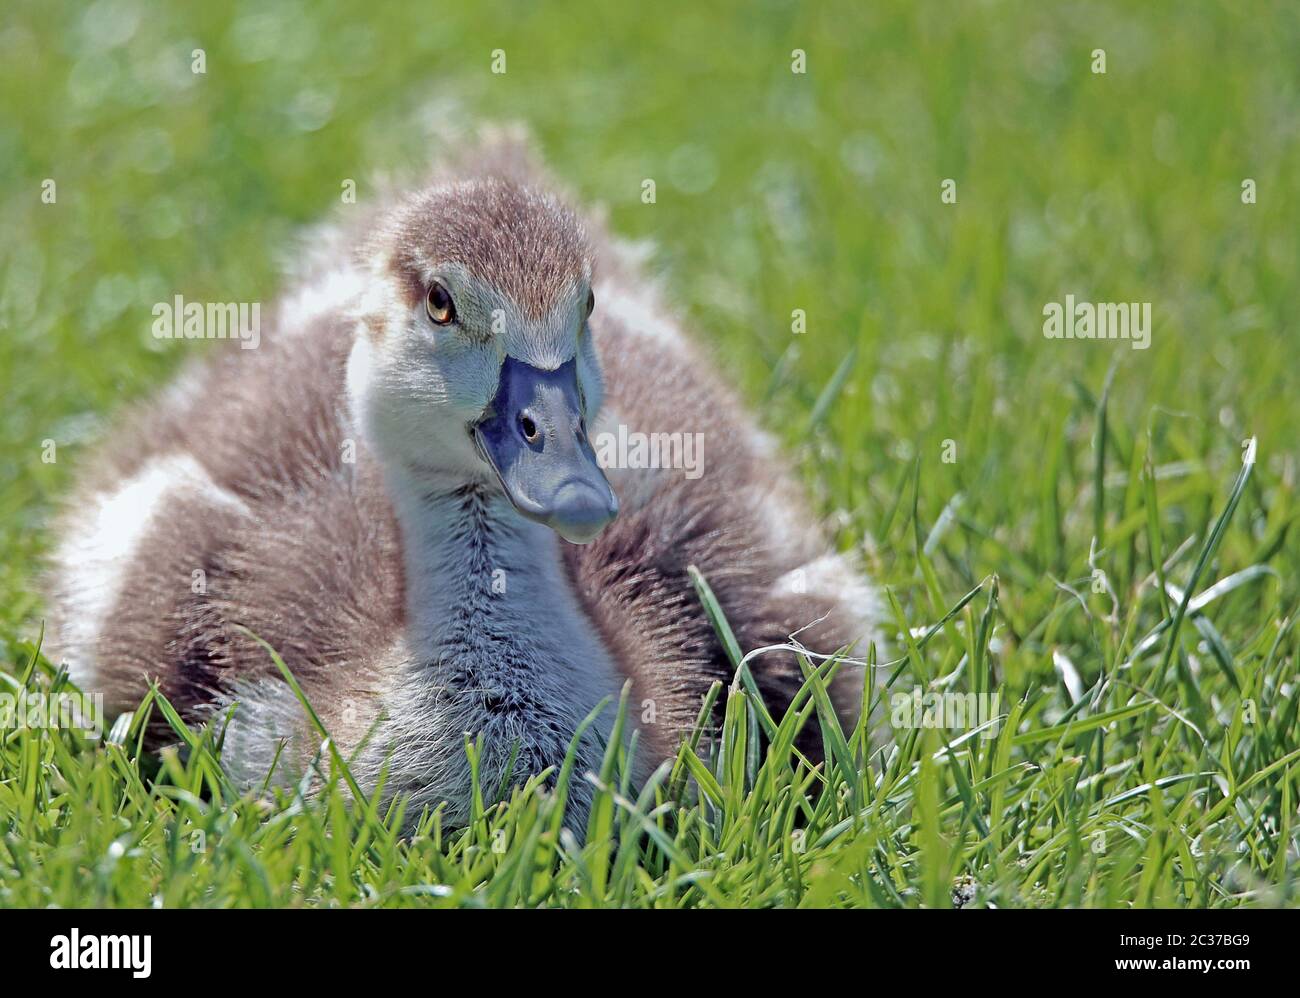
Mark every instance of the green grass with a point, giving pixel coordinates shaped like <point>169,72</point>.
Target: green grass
<point>1124,585</point>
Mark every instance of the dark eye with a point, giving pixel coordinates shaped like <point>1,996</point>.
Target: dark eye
<point>591,302</point>
<point>438,304</point>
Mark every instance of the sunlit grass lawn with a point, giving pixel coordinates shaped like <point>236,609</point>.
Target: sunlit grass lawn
<point>1125,585</point>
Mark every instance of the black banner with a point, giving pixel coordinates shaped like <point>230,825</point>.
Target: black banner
<point>143,948</point>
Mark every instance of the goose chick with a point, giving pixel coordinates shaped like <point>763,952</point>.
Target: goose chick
<point>400,492</point>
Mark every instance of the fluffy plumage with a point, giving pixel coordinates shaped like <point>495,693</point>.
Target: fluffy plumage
<point>321,493</point>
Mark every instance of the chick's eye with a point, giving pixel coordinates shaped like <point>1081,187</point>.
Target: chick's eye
<point>591,302</point>
<point>439,305</point>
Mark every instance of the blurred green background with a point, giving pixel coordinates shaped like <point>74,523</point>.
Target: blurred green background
<point>775,191</point>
